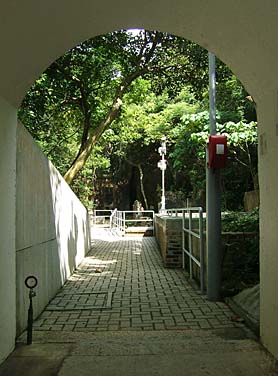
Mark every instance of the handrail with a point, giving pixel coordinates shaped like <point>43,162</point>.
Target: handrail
<point>112,218</point>
<point>187,216</point>
<point>102,216</point>
<point>189,252</point>
<point>176,211</point>
<point>120,219</point>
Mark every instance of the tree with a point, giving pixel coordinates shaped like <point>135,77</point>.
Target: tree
<point>108,101</point>
<point>85,87</point>
<point>136,133</point>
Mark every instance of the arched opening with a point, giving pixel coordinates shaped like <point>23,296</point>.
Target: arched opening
<point>249,51</point>
<point>66,89</point>
<point>168,107</point>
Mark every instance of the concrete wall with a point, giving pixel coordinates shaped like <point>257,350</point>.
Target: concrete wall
<point>238,255</point>
<point>52,234</point>
<point>242,33</point>
<point>168,233</point>
<point>7,227</point>
<point>251,200</point>
<point>268,157</point>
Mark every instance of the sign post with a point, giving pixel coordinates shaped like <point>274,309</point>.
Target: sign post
<point>213,203</point>
<point>30,282</point>
<point>162,165</point>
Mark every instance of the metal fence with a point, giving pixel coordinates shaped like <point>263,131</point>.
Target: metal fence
<point>132,221</point>
<point>101,216</point>
<point>188,233</point>
<point>176,212</point>
<point>117,221</point>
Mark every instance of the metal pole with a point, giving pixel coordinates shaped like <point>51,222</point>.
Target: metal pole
<point>124,222</point>
<point>30,282</point>
<point>190,245</point>
<point>201,232</point>
<point>163,186</point>
<point>213,203</point>
<point>183,239</point>
<point>212,94</point>
<point>30,320</point>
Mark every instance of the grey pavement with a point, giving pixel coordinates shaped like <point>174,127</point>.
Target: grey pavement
<point>123,313</point>
<point>122,285</point>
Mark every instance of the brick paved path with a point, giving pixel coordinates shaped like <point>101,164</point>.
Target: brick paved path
<point>122,285</point>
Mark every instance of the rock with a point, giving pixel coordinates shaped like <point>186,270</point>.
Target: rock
<point>249,300</point>
<point>247,305</point>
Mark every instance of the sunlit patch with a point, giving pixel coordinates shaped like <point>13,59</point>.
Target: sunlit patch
<point>108,272</point>
<point>98,262</point>
<point>134,32</point>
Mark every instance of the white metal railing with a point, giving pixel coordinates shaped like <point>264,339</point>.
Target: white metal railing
<point>188,231</point>
<point>176,212</point>
<point>199,234</point>
<point>101,216</point>
<point>117,221</point>
<point>112,218</point>
<point>128,220</point>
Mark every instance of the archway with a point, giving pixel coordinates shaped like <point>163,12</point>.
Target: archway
<point>33,35</point>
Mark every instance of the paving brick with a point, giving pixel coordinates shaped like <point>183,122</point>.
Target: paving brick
<point>43,328</point>
<point>145,295</point>
<point>113,327</point>
<point>49,321</point>
<point>146,317</point>
<point>74,315</point>
<point>147,327</point>
<point>56,327</point>
<point>46,314</point>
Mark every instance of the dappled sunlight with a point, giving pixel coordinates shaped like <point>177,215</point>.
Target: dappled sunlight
<point>132,292</point>
<point>100,264</point>
<point>111,239</point>
<point>97,262</point>
<point>137,251</point>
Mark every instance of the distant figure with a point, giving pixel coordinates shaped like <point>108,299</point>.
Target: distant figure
<point>137,207</point>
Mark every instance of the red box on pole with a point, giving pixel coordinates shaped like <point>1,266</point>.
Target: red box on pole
<point>218,151</point>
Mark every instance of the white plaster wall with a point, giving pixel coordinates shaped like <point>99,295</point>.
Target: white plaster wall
<point>268,163</point>
<point>52,233</point>
<point>7,227</point>
<point>242,33</point>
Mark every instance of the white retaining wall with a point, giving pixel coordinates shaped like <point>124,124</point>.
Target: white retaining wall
<point>7,227</point>
<point>52,228</point>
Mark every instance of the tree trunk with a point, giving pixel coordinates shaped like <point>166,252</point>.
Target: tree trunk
<point>142,187</point>
<point>93,138</point>
<point>141,176</point>
<point>84,154</point>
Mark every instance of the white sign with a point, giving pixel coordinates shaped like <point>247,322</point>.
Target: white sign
<point>162,164</point>
<point>220,149</point>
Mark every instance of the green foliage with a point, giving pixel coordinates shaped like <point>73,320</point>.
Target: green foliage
<point>241,221</point>
<point>169,97</point>
<point>240,253</point>
<point>189,141</point>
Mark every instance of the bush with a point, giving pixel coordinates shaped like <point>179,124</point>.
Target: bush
<point>240,256</point>
<point>241,221</point>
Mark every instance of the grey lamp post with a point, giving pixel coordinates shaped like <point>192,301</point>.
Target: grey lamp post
<point>214,256</point>
<point>162,165</point>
